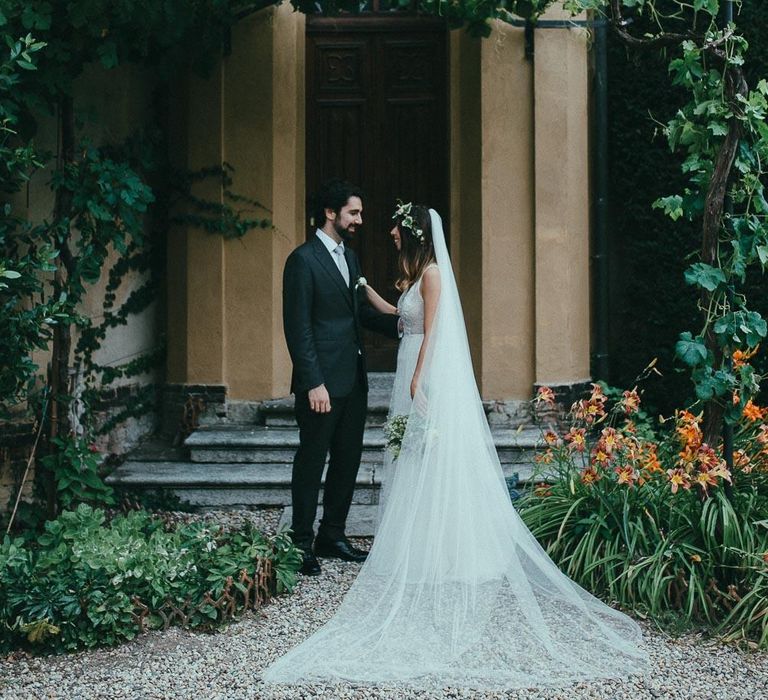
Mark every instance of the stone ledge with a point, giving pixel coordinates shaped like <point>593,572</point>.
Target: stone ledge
<point>215,475</point>
<point>373,437</point>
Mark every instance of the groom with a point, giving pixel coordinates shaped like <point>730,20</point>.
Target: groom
<point>322,313</point>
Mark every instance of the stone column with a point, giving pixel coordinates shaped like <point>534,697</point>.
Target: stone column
<point>195,258</point>
<point>225,313</point>
<point>288,173</point>
<point>507,217</point>
<point>561,103</point>
<point>264,141</point>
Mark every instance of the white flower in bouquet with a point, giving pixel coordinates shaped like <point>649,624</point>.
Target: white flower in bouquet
<point>394,430</point>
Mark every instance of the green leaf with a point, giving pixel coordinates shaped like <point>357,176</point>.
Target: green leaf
<point>718,128</point>
<point>706,276</point>
<point>36,16</point>
<point>691,350</point>
<point>741,326</point>
<point>711,6</point>
<point>710,384</point>
<point>672,206</point>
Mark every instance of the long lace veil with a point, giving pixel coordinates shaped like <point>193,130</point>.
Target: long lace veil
<point>456,591</point>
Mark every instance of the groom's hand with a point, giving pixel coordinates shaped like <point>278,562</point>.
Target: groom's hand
<point>319,401</point>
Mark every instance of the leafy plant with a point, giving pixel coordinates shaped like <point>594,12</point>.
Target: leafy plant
<point>76,469</point>
<point>658,523</point>
<point>87,582</point>
<point>24,326</point>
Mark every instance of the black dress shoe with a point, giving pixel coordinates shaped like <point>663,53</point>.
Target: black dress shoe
<point>339,549</point>
<point>309,564</point>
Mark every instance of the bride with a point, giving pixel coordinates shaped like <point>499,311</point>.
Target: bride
<point>455,591</point>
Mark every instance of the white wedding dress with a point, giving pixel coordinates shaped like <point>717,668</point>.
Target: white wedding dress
<point>456,591</point>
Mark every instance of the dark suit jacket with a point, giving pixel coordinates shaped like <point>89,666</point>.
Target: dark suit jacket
<point>322,319</point>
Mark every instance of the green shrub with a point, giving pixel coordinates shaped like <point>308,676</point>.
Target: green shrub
<point>649,297</point>
<point>658,523</point>
<point>87,583</point>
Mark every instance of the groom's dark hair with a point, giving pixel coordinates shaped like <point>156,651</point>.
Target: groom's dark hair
<point>333,194</point>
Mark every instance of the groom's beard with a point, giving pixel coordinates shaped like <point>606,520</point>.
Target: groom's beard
<point>345,233</point>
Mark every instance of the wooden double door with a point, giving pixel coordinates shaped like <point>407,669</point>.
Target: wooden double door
<point>377,115</point>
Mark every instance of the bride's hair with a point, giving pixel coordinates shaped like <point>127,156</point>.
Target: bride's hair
<point>416,251</point>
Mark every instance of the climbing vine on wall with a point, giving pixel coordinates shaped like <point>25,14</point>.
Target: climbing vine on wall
<point>104,207</point>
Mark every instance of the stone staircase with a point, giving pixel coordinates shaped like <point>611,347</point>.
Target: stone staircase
<point>245,458</point>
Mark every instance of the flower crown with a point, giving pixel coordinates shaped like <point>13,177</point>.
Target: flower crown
<point>404,210</point>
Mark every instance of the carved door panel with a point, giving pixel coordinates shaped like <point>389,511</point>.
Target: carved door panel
<point>377,116</point>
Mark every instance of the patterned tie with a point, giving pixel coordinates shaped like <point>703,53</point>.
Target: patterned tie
<point>341,262</point>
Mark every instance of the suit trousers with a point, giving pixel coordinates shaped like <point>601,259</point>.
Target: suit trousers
<point>339,432</point>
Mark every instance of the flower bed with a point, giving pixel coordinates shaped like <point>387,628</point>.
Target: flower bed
<point>652,517</point>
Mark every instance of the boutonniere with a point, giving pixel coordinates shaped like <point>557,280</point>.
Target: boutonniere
<point>360,282</point>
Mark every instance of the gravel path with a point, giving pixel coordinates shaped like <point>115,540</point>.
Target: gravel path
<point>181,664</point>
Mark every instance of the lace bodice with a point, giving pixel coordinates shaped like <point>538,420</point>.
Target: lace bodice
<point>410,306</point>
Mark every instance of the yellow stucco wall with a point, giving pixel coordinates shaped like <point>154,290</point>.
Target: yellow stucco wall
<point>111,105</point>
<point>247,138</point>
<point>225,321</point>
<point>508,216</point>
<point>561,160</point>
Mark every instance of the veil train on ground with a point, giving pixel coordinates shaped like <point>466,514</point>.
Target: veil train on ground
<point>456,591</point>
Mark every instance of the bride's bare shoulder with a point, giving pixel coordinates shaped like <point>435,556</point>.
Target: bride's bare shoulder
<point>430,280</point>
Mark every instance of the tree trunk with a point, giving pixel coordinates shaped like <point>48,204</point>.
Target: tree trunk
<point>714,205</point>
<point>62,333</point>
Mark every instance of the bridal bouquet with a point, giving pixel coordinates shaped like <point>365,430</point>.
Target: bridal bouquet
<point>394,430</point>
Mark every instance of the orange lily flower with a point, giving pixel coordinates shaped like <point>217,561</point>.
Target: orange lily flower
<point>630,427</point>
<point>626,475</point>
<point>678,478</point>
<point>630,401</point>
<point>545,395</point>
<point>704,479</point>
<point>752,412</point>
<point>597,394</point>
<point>741,357</point>
<point>546,457</point>
<point>576,439</point>
<point>707,456</point>
<point>610,440</point>
<point>652,463</point>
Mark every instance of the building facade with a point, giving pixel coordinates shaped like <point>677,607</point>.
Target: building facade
<point>494,133</point>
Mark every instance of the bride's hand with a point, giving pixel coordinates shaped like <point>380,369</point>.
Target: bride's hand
<point>414,385</point>
<point>375,299</point>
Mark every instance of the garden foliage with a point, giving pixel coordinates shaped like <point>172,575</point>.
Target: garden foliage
<point>86,581</point>
<point>106,219</point>
<point>652,518</point>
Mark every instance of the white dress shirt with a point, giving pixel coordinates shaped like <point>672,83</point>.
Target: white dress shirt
<point>331,245</point>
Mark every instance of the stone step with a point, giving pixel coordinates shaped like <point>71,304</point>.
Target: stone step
<point>245,484</point>
<point>234,484</point>
<point>278,413</point>
<point>264,444</point>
